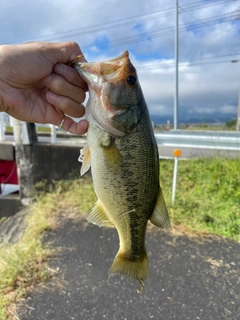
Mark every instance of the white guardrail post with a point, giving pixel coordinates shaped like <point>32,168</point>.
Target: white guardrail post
<point>2,127</point>
<point>53,134</point>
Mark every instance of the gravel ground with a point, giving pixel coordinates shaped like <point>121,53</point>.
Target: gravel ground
<point>189,278</point>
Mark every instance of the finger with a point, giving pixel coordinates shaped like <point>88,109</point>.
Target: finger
<point>75,127</point>
<point>71,75</point>
<point>63,52</point>
<point>66,105</point>
<point>60,86</point>
<point>69,51</point>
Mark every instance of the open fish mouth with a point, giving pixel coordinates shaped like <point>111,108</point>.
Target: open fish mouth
<point>94,72</point>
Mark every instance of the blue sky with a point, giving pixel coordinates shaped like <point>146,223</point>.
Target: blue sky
<point>209,39</point>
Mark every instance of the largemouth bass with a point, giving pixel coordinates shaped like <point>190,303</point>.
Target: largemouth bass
<point>123,155</point>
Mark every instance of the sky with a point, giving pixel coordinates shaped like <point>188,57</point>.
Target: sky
<point>209,46</point>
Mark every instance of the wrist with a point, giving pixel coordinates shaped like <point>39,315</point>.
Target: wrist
<point>2,104</point>
<point>3,107</point>
<point>3,97</point>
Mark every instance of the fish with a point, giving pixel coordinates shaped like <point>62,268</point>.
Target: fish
<point>123,155</point>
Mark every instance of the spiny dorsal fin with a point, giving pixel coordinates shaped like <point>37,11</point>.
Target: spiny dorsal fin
<point>99,217</point>
<point>160,216</point>
<point>85,158</point>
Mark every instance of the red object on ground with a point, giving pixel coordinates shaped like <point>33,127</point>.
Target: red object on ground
<point>8,172</point>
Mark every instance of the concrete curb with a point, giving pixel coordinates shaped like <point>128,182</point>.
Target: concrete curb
<point>12,229</point>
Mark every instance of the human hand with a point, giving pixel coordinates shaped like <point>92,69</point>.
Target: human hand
<point>37,85</point>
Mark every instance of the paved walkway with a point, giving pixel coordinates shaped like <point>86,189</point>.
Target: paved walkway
<point>189,279</point>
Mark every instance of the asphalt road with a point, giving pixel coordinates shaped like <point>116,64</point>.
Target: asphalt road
<point>189,279</point>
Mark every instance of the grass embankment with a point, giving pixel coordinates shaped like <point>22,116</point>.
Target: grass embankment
<point>207,201</point>
<point>208,195</point>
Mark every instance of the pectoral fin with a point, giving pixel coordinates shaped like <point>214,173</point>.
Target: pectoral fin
<point>160,216</point>
<point>85,159</point>
<point>99,217</point>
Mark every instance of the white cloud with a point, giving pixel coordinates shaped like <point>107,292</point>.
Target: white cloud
<point>203,88</point>
<point>227,109</point>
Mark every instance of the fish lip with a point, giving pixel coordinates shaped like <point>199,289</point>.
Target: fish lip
<point>80,63</point>
<point>94,73</point>
<point>122,56</point>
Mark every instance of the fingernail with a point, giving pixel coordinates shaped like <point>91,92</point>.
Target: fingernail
<point>47,79</point>
<point>59,68</point>
<point>51,97</point>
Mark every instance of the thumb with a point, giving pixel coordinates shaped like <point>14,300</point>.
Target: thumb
<point>63,52</point>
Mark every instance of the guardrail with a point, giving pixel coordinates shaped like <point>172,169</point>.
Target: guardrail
<point>6,120</point>
<point>220,140</point>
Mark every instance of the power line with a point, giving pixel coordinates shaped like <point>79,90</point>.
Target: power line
<point>170,65</point>
<point>191,63</point>
<point>123,22</point>
<point>199,20</point>
<point>214,62</point>
<point>191,7</point>
<point>165,32</point>
<point>219,56</point>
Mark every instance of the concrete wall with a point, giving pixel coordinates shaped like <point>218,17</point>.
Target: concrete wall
<point>49,162</point>
<point>55,161</point>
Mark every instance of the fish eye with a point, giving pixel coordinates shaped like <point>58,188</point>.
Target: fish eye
<point>131,80</point>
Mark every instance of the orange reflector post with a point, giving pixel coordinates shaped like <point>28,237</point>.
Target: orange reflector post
<point>177,154</point>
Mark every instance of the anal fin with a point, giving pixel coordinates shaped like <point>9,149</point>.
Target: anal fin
<point>99,217</point>
<point>160,217</point>
<point>85,159</point>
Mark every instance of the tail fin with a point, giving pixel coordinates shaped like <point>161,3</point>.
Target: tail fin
<point>136,269</point>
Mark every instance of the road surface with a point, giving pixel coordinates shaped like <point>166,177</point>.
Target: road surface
<point>190,279</point>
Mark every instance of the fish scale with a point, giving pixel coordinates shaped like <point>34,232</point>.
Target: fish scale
<point>123,155</point>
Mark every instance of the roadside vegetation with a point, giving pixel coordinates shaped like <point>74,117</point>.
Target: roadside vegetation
<point>207,197</point>
<point>229,125</point>
<point>207,202</point>
<point>24,264</point>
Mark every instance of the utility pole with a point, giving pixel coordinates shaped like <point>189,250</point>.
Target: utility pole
<point>175,115</point>
<point>238,116</point>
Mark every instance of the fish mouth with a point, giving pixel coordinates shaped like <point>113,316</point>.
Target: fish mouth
<point>94,73</point>
<point>107,83</point>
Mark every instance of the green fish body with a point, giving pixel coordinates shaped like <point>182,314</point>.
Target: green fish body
<point>123,155</point>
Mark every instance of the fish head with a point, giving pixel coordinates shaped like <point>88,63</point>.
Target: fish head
<point>115,93</point>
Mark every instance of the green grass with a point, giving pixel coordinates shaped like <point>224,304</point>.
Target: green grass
<point>207,197</point>
<point>207,201</point>
<point>24,264</point>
